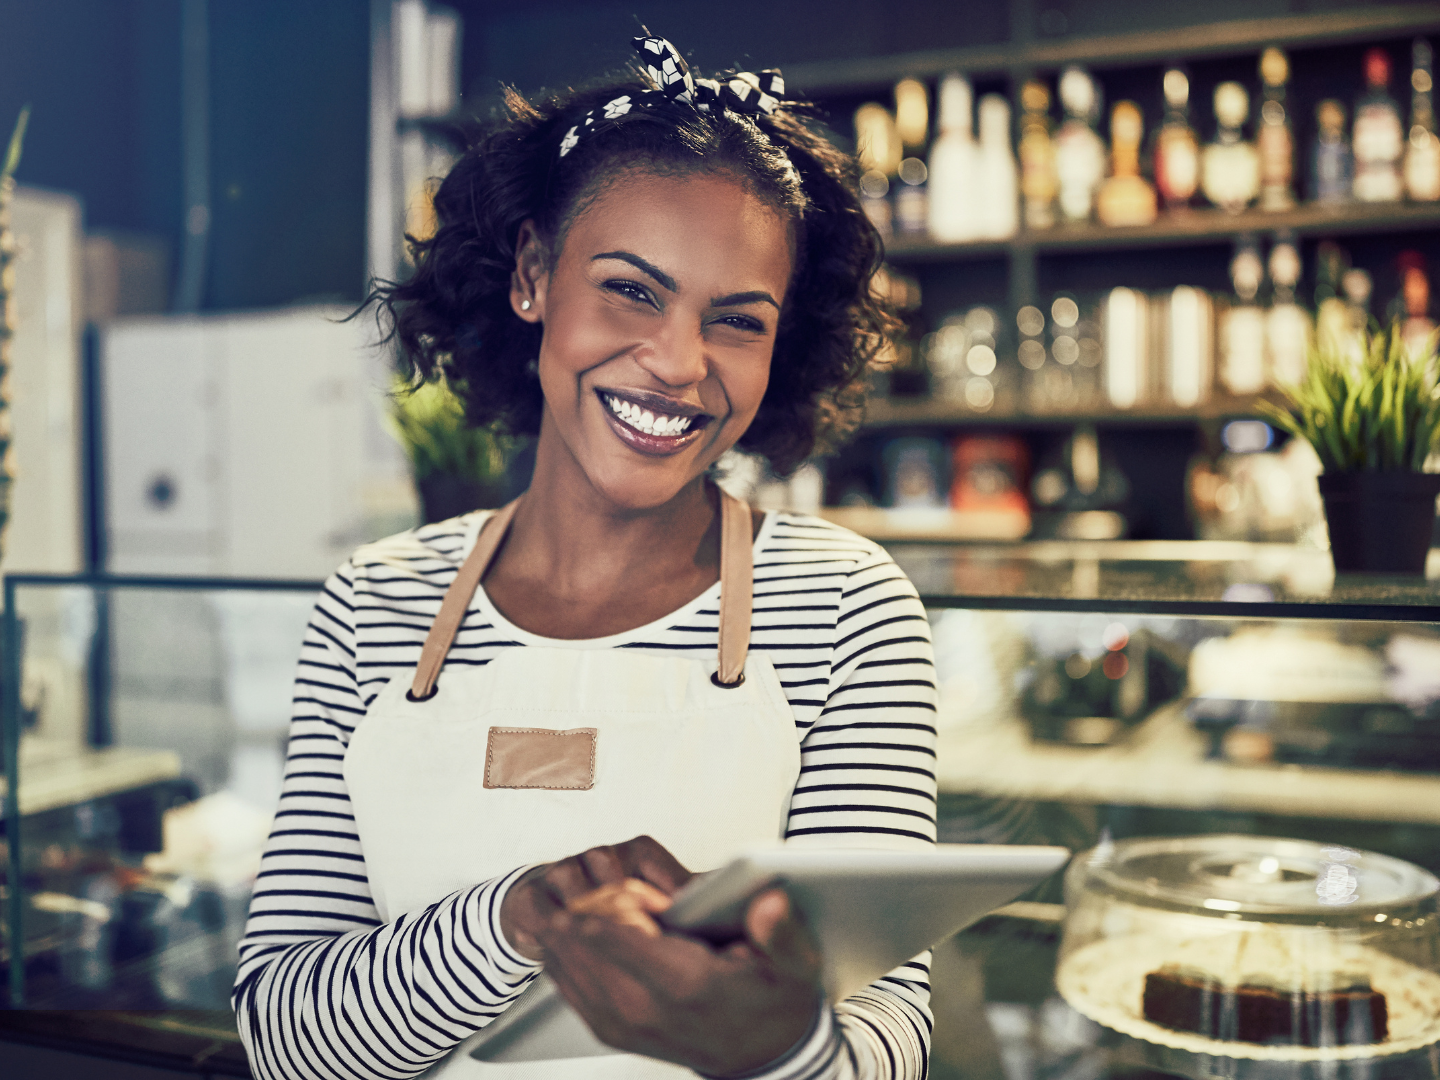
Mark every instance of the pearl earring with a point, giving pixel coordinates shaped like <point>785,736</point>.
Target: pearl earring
<point>524,305</point>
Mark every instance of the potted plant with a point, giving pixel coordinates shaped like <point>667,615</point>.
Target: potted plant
<point>457,467</point>
<point>1374,419</point>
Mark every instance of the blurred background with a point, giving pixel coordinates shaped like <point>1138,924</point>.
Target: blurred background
<point>1114,229</point>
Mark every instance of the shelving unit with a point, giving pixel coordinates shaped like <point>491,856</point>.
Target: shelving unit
<point>1023,54</point>
<point>1152,444</point>
<point>919,412</point>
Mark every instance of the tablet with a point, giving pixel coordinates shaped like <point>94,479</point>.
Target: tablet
<point>870,911</point>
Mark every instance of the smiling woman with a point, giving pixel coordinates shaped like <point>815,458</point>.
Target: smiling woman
<point>518,733</point>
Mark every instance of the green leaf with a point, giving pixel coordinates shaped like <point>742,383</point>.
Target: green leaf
<point>17,141</point>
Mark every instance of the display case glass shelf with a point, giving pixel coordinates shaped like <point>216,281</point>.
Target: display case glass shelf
<point>1176,578</point>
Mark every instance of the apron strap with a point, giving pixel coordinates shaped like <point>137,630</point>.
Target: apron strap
<point>737,576</point>
<point>737,589</point>
<point>457,602</point>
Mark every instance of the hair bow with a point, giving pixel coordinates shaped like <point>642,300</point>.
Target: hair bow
<point>745,92</point>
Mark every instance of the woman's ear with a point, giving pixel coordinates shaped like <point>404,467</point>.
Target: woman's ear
<point>530,276</point>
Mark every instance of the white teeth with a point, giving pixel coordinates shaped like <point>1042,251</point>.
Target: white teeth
<point>646,421</point>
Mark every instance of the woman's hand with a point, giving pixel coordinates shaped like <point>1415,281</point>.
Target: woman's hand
<point>533,902</point>
<point>669,996</point>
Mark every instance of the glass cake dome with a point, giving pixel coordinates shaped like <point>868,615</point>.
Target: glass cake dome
<point>1249,947</point>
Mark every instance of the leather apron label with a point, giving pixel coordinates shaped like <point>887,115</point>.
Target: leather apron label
<point>540,758</point>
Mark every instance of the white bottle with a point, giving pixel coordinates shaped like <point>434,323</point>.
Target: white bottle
<point>1287,324</point>
<point>1242,334</point>
<point>1079,151</point>
<point>953,163</point>
<point>997,195</point>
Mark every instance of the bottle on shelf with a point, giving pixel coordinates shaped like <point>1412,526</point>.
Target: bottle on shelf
<point>1127,348</point>
<point>1332,317</point>
<point>1422,149</point>
<point>912,114</point>
<point>1332,167</point>
<point>1242,327</point>
<point>1076,354</point>
<point>1357,287</point>
<point>912,201</point>
<point>953,164</point>
<point>1417,327</point>
<point>1273,138</point>
<point>1230,166</point>
<point>1126,197</point>
<point>997,177</point>
<point>1079,151</point>
<point>1188,346</point>
<point>912,124</point>
<point>1038,181</point>
<point>1177,152</point>
<point>1378,138</point>
<point>1287,324</point>
<point>878,147</point>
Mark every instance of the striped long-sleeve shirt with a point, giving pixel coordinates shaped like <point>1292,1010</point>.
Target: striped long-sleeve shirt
<point>327,990</point>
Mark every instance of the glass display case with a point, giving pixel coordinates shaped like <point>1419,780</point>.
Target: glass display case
<point>1089,693</point>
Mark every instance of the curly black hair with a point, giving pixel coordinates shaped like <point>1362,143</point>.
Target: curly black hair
<point>453,315</point>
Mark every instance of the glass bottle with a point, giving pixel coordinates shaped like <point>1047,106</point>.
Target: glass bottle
<point>877,144</point>
<point>1177,152</point>
<point>1377,138</point>
<point>1422,149</point>
<point>1079,152</point>
<point>1415,298</point>
<point>1273,138</point>
<point>1332,317</point>
<point>1038,182</point>
<point>997,177</point>
<point>912,125</point>
<point>1287,324</point>
<point>952,166</point>
<point>1242,332</point>
<point>1126,198</point>
<point>1230,167</point>
<point>1332,174</point>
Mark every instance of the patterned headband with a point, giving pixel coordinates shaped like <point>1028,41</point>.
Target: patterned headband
<point>744,92</point>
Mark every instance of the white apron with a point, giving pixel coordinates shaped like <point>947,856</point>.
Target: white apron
<point>705,768</point>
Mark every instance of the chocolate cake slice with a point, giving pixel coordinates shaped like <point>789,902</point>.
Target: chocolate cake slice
<point>1349,1012</point>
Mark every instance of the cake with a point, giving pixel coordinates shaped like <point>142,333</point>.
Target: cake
<point>1346,1012</point>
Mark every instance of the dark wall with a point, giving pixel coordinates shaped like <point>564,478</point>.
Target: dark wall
<point>289,105</point>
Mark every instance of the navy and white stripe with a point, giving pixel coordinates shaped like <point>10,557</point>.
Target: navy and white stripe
<point>326,990</point>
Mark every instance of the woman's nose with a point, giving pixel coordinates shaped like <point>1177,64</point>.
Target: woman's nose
<point>677,356</point>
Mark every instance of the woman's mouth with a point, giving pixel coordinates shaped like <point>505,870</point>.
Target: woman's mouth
<point>648,427</point>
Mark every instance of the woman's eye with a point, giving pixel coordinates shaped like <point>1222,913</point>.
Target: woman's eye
<point>743,322</point>
<point>631,290</point>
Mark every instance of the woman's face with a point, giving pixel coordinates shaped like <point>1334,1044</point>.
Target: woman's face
<point>659,316</point>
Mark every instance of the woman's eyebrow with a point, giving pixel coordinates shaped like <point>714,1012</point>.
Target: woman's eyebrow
<point>759,296</point>
<point>664,279</point>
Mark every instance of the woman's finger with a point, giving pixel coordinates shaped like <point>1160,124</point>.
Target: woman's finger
<point>646,858</point>
<point>776,930</point>
<point>604,865</point>
<point>568,879</point>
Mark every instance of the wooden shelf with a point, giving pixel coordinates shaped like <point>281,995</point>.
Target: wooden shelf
<point>1117,50</point>
<point>1193,228</point>
<point>926,412</point>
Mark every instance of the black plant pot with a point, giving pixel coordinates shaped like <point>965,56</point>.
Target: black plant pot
<point>1380,522</point>
<point>444,495</point>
